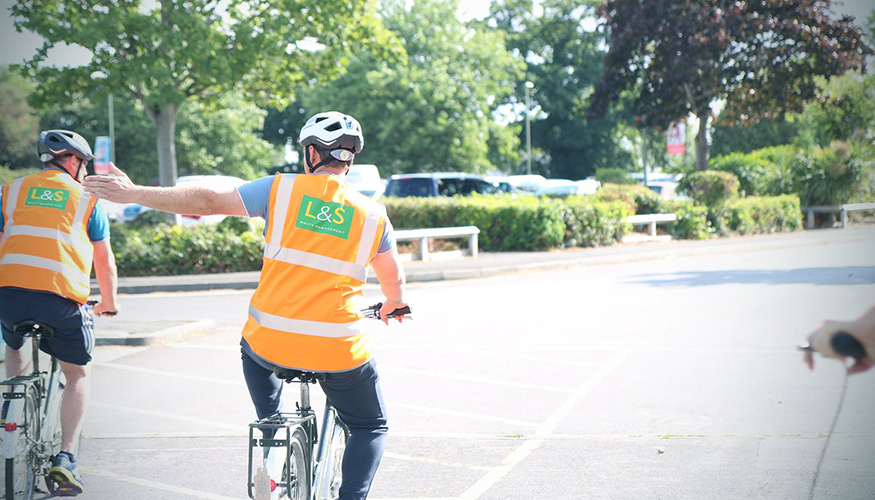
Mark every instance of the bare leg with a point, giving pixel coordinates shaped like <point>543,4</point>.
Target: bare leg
<point>18,361</point>
<point>74,403</point>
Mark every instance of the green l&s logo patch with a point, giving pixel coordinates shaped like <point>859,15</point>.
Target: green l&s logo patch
<point>47,197</point>
<point>325,217</point>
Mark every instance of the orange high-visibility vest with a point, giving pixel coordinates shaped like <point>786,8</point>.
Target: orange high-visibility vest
<point>319,239</point>
<point>45,243</point>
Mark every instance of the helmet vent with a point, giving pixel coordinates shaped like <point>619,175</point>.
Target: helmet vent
<point>334,126</point>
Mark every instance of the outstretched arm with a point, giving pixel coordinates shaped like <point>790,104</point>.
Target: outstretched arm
<point>388,269</point>
<point>195,200</point>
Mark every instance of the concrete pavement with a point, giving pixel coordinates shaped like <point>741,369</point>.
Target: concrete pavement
<point>117,331</point>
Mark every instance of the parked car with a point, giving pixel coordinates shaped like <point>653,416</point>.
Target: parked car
<point>439,184</point>
<point>133,210</point>
<point>365,179</point>
<point>667,190</point>
<point>531,183</point>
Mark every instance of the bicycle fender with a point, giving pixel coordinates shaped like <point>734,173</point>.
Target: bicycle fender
<point>15,413</point>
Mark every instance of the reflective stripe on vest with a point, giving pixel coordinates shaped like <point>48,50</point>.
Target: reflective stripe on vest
<point>59,253</point>
<point>315,261</point>
<point>305,327</point>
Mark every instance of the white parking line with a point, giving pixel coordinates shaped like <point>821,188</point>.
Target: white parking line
<point>463,378</point>
<point>463,414</point>
<point>547,428</point>
<point>170,416</point>
<point>163,373</point>
<point>156,485</point>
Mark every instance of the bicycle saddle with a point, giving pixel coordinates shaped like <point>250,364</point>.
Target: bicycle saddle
<point>30,328</point>
<point>288,375</point>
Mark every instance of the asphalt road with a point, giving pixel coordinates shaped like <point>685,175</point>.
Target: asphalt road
<point>665,379</point>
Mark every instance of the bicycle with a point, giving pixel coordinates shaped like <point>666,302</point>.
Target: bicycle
<point>294,463</point>
<point>31,417</point>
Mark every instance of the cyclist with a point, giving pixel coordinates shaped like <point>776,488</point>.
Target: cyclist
<point>319,238</point>
<point>50,232</point>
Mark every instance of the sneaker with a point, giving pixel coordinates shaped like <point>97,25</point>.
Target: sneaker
<point>68,481</point>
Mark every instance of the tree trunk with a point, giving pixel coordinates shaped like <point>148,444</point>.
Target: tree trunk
<point>702,151</point>
<point>164,120</point>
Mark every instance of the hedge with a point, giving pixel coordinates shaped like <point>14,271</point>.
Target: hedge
<point>692,223</point>
<point>170,250</point>
<point>524,223</point>
<point>762,215</point>
<point>641,200</point>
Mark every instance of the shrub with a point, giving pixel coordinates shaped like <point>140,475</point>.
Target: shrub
<point>832,175</point>
<point>640,199</point>
<point>172,250</point>
<point>756,215</point>
<point>692,223</point>
<point>754,172</point>
<point>590,223</point>
<point>613,176</point>
<point>7,175</point>
<point>710,188</point>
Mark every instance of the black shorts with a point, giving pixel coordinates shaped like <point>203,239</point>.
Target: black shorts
<point>74,328</point>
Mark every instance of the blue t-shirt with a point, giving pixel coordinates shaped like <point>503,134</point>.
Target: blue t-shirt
<point>256,198</point>
<point>98,224</point>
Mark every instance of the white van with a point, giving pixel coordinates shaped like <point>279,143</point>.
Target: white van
<point>365,179</point>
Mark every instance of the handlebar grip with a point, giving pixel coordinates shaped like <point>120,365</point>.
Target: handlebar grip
<point>846,345</point>
<point>401,311</point>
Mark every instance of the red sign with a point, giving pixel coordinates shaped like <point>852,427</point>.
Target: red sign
<point>675,139</point>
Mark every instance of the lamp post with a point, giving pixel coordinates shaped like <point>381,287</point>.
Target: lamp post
<point>529,86</point>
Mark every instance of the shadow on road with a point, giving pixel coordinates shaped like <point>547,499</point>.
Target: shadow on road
<point>847,275</point>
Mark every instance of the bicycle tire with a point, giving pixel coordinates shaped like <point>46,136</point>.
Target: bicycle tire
<point>336,448</point>
<point>54,446</point>
<point>298,470</point>
<point>20,471</point>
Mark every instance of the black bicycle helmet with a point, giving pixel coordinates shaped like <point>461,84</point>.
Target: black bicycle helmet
<point>55,143</point>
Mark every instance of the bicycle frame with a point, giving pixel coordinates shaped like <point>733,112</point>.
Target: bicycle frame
<point>48,387</point>
<point>279,447</point>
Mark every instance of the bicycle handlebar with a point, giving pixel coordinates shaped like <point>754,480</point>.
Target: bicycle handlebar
<point>373,312</point>
<point>93,303</point>
<point>843,343</point>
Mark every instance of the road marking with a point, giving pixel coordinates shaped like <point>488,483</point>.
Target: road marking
<point>171,416</point>
<point>409,458</point>
<point>481,380</point>
<point>156,485</point>
<point>547,428</point>
<point>469,415</point>
<point>163,373</point>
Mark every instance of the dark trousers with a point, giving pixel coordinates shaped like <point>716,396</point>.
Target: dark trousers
<point>359,402</point>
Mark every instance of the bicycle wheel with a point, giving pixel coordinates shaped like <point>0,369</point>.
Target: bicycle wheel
<point>53,447</point>
<point>20,470</point>
<point>336,448</point>
<point>297,470</point>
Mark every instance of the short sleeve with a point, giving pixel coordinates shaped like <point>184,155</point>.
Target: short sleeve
<point>256,196</point>
<point>98,224</point>
<point>387,241</point>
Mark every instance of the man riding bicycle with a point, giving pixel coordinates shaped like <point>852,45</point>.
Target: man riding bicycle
<point>50,233</point>
<point>320,236</point>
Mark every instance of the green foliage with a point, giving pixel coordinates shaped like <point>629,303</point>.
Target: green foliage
<point>758,215</point>
<point>433,112</point>
<point>173,250</point>
<point>692,223</point>
<point>19,125</point>
<point>613,176</point>
<point>8,175</point>
<point>835,174</point>
<point>735,138</point>
<point>764,172</point>
<point>517,224</point>
<point>710,188</point>
<point>639,199</point>
<point>564,58</point>
<point>217,139</point>
<point>844,111</point>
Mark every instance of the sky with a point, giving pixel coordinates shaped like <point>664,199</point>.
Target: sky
<point>16,47</point>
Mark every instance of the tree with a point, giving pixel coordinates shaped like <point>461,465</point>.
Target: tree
<point>728,138</point>
<point>19,124</point>
<point>218,139</point>
<point>761,58</point>
<point>434,112</point>
<point>563,57</point>
<point>194,50</point>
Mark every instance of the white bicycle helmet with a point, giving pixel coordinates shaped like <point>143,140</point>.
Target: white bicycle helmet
<point>54,143</point>
<point>339,134</point>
